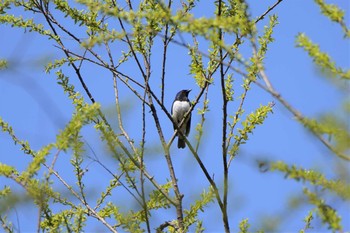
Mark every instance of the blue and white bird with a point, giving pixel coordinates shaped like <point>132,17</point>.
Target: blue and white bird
<point>180,107</point>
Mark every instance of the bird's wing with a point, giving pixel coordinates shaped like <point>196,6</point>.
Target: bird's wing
<point>172,112</point>
<point>172,106</point>
<point>188,126</point>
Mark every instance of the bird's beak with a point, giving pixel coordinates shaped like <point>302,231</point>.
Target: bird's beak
<point>189,90</point>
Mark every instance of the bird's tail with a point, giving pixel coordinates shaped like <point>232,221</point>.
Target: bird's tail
<point>181,142</point>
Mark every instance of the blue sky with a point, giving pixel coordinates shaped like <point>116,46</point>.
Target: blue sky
<point>36,107</point>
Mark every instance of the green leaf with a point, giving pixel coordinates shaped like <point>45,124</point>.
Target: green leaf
<point>315,178</point>
<point>244,226</point>
<point>321,59</point>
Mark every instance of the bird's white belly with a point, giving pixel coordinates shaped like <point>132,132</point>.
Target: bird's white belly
<point>179,109</point>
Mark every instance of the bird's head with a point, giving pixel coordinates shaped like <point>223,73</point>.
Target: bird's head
<point>183,95</point>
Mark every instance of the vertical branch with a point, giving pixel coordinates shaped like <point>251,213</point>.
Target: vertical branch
<point>205,106</point>
<point>129,4</point>
<point>224,128</point>
<point>165,49</point>
<point>145,209</point>
<point>39,220</point>
<point>121,127</point>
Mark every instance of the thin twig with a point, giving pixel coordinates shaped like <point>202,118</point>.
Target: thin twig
<point>268,10</point>
<point>7,227</point>
<point>299,116</point>
<point>205,106</point>
<point>235,121</point>
<point>166,41</point>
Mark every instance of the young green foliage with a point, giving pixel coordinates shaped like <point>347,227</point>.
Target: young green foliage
<point>63,220</point>
<point>3,64</point>
<point>128,221</point>
<point>59,63</point>
<point>259,55</point>
<point>335,14</point>
<point>266,38</point>
<point>27,24</point>
<point>108,192</point>
<point>307,221</point>
<point>213,58</point>
<point>7,189</point>
<point>157,200</point>
<point>192,214</point>
<point>229,91</point>
<point>84,114</point>
<point>35,165</point>
<point>80,17</point>
<point>5,127</point>
<point>249,124</point>
<point>333,128</point>
<point>315,178</point>
<point>7,171</point>
<point>237,11</point>
<point>321,59</point>
<point>244,226</point>
<point>196,67</point>
<point>327,214</point>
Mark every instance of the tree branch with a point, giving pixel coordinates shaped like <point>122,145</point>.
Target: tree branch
<point>224,129</point>
<point>268,11</point>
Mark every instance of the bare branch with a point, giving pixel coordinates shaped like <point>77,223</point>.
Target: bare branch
<point>268,11</point>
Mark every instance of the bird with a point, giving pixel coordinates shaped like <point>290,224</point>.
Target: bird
<point>180,107</point>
